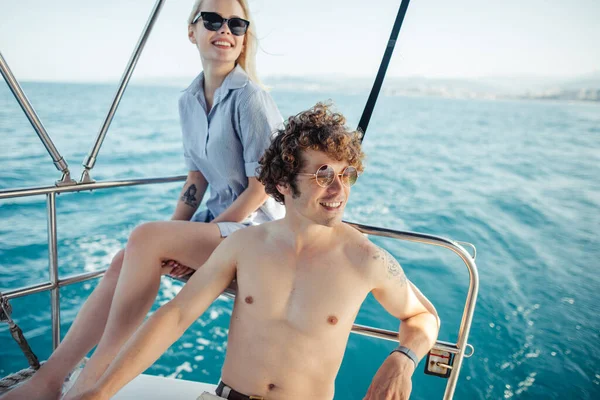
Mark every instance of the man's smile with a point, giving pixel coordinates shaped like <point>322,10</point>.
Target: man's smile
<point>331,205</point>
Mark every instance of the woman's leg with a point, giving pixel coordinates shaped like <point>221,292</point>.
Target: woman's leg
<point>190,243</point>
<point>84,334</point>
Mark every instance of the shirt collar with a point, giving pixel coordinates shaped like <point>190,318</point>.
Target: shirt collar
<point>236,79</point>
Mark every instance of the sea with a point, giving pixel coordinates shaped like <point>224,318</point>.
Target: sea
<point>518,179</point>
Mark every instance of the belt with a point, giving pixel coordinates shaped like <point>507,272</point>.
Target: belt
<point>228,393</point>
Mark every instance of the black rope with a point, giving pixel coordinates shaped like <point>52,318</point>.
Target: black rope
<point>368,111</point>
<point>17,333</point>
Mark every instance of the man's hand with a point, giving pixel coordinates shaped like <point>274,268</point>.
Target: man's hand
<point>393,379</point>
<point>176,270</point>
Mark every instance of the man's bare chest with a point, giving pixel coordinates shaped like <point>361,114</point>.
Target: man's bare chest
<point>307,294</point>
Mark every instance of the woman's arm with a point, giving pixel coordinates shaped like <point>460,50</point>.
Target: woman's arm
<point>190,197</point>
<point>249,201</point>
<point>258,119</point>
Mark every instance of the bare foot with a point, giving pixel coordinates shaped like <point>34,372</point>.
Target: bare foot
<point>35,389</point>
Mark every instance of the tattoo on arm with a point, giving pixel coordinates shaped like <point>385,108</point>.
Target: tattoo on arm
<point>394,270</point>
<point>189,197</point>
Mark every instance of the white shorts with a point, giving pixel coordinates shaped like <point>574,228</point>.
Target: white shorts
<point>226,228</point>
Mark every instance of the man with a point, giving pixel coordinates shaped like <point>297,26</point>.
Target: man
<point>301,282</point>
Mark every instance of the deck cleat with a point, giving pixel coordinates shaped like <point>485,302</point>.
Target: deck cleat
<point>439,363</point>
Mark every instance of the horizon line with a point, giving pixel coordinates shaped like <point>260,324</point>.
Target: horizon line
<point>339,77</point>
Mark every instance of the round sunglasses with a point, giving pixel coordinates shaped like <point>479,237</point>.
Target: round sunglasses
<point>214,22</point>
<point>326,174</point>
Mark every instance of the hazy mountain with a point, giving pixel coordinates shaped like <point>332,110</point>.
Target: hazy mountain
<point>584,88</point>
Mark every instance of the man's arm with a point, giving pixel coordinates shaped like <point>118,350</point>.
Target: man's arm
<point>190,197</point>
<point>167,324</point>
<point>418,330</point>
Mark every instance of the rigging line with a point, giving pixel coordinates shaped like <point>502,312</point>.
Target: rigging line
<point>368,111</point>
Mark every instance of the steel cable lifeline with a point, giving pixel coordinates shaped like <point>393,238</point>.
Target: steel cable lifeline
<point>59,162</point>
<point>389,50</point>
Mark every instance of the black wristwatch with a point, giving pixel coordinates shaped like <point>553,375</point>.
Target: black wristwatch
<point>408,353</point>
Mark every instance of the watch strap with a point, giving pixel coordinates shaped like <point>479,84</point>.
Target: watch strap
<point>408,353</point>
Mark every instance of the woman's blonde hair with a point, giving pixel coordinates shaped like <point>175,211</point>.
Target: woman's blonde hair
<point>247,58</point>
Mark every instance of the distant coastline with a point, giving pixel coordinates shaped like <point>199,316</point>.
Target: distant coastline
<point>584,88</point>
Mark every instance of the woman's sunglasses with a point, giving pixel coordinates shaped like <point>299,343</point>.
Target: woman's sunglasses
<point>325,175</point>
<point>214,22</point>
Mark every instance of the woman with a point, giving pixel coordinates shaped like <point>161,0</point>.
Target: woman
<point>227,120</point>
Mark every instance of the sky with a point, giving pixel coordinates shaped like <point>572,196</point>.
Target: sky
<point>75,40</point>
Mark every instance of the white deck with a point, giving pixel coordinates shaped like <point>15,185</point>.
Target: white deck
<point>149,387</point>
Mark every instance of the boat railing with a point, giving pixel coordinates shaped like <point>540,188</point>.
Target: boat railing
<point>66,184</point>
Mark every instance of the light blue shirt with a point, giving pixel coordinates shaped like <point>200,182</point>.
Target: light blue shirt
<point>226,144</point>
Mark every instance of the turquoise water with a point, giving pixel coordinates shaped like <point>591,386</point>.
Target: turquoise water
<point>517,179</point>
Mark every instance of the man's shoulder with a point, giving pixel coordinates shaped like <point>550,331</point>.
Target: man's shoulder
<point>358,246</point>
<point>369,255</point>
<point>256,239</point>
<point>253,233</point>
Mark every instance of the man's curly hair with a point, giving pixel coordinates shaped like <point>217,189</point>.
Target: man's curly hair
<point>318,128</point>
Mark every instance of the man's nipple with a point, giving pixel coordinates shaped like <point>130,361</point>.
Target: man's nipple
<point>249,300</point>
<point>332,320</point>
